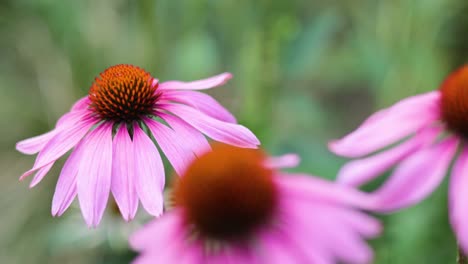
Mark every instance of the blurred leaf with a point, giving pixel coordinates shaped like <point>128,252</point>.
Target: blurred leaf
<point>314,39</point>
<point>195,56</point>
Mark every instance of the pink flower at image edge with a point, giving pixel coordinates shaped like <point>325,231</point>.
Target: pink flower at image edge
<point>433,126</point>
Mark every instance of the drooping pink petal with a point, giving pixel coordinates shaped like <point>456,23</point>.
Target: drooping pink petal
<point>202,102</point>
<point>164,240</point>
<point>196,85</point>
<point>155,234</point>
<point>40,174</point>
<point>151,258</point>
<point>176,150</point>
<point>389,126</point>
<point>233,134</point>
<point>300,243</point>
<point>362,223</point>
<point>143,259</point>
<point>458,199</point>
<point>150,172</point>
<point>65,190</point>
<point>232,255</point>
<point>285,161</point>
<point>195,139</point>
<point>123,174</point>
<point>35,144</point>
<point>327,229</point>
<point>154,82</point>
<point>361,171</point>
<point>375,117</point>
<point>82,104</point>
<point>174,253</point>
<point>69,118</point>
<point>62,142</point>
<point>272,249</point>
<point>309,187</point>
<point>416,177</point>
<point>94,174</point>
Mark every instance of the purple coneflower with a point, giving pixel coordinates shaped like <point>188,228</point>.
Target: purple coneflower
<point>434,125</point>
<point>233,206</point>
<point>110,131</point>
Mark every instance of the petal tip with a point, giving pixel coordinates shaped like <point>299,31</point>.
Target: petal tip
<point>127,217</point>
<point>19,148</point>
<point>54,212</point>
<point>24,175</point>
<point>154,82</point>
<point>378,229</point>
<point>22,147</point>
<point>345,177</point>
<point>227,76</point>
<point>337,147</point>
<point>332,145</point>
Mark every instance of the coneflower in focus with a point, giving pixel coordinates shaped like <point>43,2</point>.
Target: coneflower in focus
<point>110,133</point>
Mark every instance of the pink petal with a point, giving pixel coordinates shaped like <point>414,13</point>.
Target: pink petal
<point>94,174</point>
<point>174,147</point>
<point>285,161</point>
<point>306,245</point>
<point>156,233</point>
<point>65,190</point>
<point>154,82</point>
<point>361,171</point>
<point>202,102</point>
<point>69,118</point>
<point>416,177</point>
<point>197,85</point>
<point>310,187</point>
<point>150,170</point>
<point>195,139</point>
<point>66,139</point>
<point>165,240</point>
<point>458,199</point>
<point>123,174</point>
<point>35,144</point>
<point>389,126</point>
<point>273,250</point>
<point>232,255</point>
<point>328,229</point>
<point>375,117</point>
<point>174,253</point>
<point>228,133</point>
<point>143,259</point>
<point>364,224</point>
<point>40,174</point>
<point>82,104</point>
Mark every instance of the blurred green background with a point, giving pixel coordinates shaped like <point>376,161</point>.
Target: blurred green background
<point>304,72</point>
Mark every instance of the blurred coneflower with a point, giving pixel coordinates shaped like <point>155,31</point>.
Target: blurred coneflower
<point>437,125</point>
<point>110,131</point>
<point>232,205</point>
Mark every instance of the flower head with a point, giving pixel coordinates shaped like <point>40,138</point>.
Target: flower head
<point>110,133</point>
<point>233,206</point>
<point>433,126</point>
